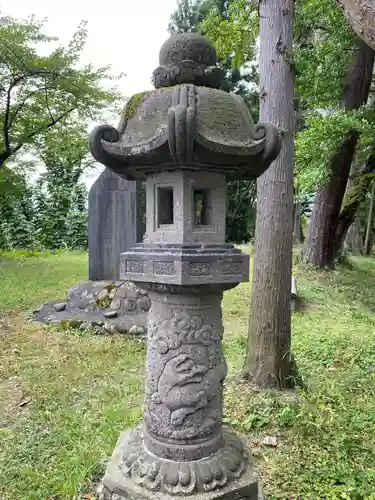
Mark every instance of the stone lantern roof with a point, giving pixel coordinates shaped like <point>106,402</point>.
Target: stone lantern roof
<point>187,123</point>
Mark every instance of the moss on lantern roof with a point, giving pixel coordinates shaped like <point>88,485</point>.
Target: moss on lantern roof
<point>134,102</point>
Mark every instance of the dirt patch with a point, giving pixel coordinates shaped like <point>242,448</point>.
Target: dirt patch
<point>13,399</point>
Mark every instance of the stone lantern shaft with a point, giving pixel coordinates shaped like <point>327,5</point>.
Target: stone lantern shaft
<point>185,139</point>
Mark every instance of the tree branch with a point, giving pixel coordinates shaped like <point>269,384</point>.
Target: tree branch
<point>22,103</point>
<point>6,154</point>
<point>13,83</point>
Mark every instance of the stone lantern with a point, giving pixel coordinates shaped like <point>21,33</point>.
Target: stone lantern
<point>185,139</point>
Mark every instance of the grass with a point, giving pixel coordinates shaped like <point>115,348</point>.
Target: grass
<point>65,397</point>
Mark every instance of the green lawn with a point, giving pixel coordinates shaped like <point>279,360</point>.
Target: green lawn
<point>65,397</point>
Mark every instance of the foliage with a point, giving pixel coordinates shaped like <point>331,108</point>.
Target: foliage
<point>240,215</point>
<point>324,45</point>
<point>39,91</point>
<point>322,37</point>
<point>188,15</point>
<point>233,32</point>
<point>329,131</point>
<point>53,212</point>
<point>81,390</point>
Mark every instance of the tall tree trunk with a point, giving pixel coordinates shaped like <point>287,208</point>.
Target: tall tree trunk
<point>354,239</point>
<point>269,361</point>
<point>361,16</point>
<point>321,245</point>
<point>298,236</point>
<point>354,197</point>
<point>369,221</point>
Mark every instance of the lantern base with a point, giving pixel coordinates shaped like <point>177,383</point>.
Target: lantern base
<point>133,473</point>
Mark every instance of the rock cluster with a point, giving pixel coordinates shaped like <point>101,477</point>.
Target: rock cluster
<point>107,306</point>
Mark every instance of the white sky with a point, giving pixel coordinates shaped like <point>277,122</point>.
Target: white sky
<point>125,34</point>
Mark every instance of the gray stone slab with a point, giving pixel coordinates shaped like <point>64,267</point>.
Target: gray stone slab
<point>112,224</point>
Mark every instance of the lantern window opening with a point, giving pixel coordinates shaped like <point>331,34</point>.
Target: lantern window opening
<point>202,213</point>
<point>165,206</point>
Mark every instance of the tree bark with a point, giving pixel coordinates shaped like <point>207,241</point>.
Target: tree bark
<point>369,221</point>
<point>355,195</point>
<point>298,236</point>
<point>321,244</point>
<point>354,239</point>
<point>361,16</point>
<point>269,361</point>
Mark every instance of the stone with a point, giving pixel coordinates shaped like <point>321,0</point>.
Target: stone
<point>103,294</point>
<point>121,292</point>
<point>98,310</point>
<point>60,306</point>
<point>82,303</point>
<point>110,314</point>
<point>122,327</point>
<point>137,330</point>
<point>110,328</point>
<point>129,305</point>
<point>144,303</point>
<point>270,441</point>
<point>84,327</point>
<point>115,304</point>
<point>91,306</point>
<point>185,140</point>
<point>112,224</point>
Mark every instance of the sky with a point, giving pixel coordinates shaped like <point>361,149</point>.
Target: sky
<point>126,34</point>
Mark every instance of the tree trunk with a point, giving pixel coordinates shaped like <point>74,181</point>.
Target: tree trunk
<point>355,195</point>
<point>298,236</point>
<point>361,16</point>
<point>354,239</point>
<point>371,240</point>
<point>353,242</point>
<point>369,221</point>
<point>321,244</point>
<point>269,361</point>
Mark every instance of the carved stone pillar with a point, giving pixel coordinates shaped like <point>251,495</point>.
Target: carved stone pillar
<point>184,140</point>
<point>182,447</point>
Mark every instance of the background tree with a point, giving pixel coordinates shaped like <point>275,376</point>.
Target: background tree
<point>61,198</point>
<point>330,222</point>
<point>37,92</point>
<point>46,103</point>
<point>269,361</point>
<point>325,81</point>
<point>367,248</point>
<point>52,213</point>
